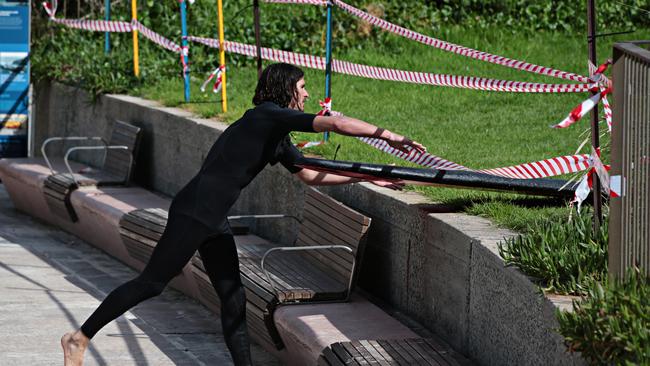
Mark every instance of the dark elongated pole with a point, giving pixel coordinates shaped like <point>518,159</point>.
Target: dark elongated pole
<point>107,35</point>
<point>328,59</point>
<point>591,41</point>
<point>258,37</point>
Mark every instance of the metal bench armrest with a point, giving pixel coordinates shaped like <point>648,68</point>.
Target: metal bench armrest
<point>307,248</point>
<point>270,216</point>
<point>105,148</point>
<point>69,138</point>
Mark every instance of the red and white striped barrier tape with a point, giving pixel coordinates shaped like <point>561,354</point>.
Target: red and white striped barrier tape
<point>343,67</point>
<point>112,26</point>
<point>156,38</point>
<point>608,113</point>
<point>598,76</point>
<point>585,107</point>
<point>587,182</point>
<point>440,44</point>
<point>95,25</point>
<point>217,75</point>
<point>326,107</point>
<point>538,169</point>
<point>381,73</point>
<point>604,86</point>
<point>308,144</point>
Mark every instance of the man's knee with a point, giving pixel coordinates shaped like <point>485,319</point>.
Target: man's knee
<point>150,287</point>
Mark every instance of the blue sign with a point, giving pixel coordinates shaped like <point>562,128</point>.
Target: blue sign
<point>14,75</point>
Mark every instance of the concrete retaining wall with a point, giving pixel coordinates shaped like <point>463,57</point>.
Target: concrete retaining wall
<point>441,268</point>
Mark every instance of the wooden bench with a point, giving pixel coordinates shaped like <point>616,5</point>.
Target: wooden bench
<point>414,351</point>
<point>319,267</point>
<point>116,169</point>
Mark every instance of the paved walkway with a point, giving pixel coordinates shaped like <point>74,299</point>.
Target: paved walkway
<point>51,281</point>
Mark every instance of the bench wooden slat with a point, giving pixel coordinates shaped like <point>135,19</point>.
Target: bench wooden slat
<point>353,215</point>
<point>137,249</point>
<point>388,353</point>
<point>375,354</point>
<point>412,351</point>
<point>363,354</point>
<point>139,238</point>
<point>328,235</point>
<point>138,221</point>
<point>289,284</point>
<point>319,280</point>
<point>399,350</point>
<point>330,358</point>
<point>446,353</point>
<point>252,272</point>
<point>350,231</point>
<point>54,193</point>
<point>342,353</point>
<point>309,237</point>
<point>357,356</point>
<point>153,216</point>
<point>291,264</point>
<point>142,230</point>
<point>302,282</point>
<point>329,262</point>
<point>338,260</point>
<point>417,357</point>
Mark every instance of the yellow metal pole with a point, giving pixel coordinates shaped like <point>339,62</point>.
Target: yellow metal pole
<point>222,59</point>
<point>134,16</point>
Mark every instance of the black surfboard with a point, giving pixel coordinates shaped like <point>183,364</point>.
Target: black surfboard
<point>441,177</point>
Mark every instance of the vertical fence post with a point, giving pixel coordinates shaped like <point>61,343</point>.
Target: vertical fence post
<point>107,16</point>
<point>134,16</point>
<point>184,50</point>
<point>222,59</point>
<point>328,59</point>
<point>258,37</point>
<point>591,40</point>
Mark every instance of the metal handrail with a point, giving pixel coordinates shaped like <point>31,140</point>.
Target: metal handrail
<point>306,248</point>
<point>73,138</point>
<point>106,148</point>
<point>270,216</point>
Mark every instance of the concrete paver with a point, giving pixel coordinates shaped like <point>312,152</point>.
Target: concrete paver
<point>51,281</point>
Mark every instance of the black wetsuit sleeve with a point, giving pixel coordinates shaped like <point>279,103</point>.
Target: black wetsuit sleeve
<point>287,155</point>
<point>292,120</point>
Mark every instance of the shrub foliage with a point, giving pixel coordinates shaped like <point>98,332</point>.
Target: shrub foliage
<point>611,326</point>
<point>566,257</point>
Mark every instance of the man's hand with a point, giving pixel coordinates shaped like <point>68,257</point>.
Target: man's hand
<point>401,143</point>
<point>394,185</point>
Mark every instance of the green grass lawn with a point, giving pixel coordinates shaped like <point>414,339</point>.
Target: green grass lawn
<point>475,128</point>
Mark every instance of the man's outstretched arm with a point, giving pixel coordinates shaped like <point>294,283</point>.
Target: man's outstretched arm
<point>349,126</point>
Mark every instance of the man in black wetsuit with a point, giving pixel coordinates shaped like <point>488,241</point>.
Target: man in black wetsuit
<point>198,213</point>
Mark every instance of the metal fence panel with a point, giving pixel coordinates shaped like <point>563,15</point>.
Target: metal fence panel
<point>629,232</point>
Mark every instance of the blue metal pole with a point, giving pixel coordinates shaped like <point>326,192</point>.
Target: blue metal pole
<point>328,60</point>
<point>107,37</point>
<point>186,71</point>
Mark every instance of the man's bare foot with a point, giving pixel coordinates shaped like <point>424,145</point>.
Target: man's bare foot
<point>74,345</point>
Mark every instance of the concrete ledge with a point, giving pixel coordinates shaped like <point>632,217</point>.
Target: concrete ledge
<point>436,266</point>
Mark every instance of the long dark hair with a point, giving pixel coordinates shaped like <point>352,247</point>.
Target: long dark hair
<point>277,84</point>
